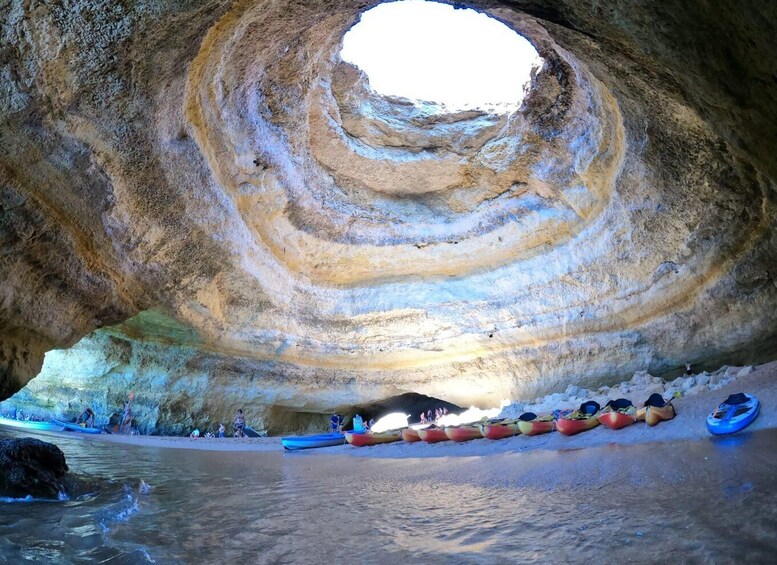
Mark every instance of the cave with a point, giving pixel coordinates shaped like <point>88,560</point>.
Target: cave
<point>225,213</point>
<point>212,206</point>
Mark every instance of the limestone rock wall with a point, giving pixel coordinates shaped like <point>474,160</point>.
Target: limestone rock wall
<point>218,162</point>
<point>177,385</point>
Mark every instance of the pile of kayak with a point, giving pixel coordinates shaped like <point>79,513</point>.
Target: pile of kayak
<point>732,415</point>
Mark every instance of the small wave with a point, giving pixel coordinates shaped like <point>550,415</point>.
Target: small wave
<point>120,512</point>
<point>61,497</point>
<point>145,554</point>
<point>10,500</point>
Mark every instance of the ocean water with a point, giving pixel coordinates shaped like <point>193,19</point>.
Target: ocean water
<point>711,501</point>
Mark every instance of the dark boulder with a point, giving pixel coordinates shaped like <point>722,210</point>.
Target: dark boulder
<point>31,467</point>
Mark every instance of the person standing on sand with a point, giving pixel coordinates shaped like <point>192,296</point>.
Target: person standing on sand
<point>86,418</point>
<point>240,423</point>
<point>335,423</point>
<point>126,420</point>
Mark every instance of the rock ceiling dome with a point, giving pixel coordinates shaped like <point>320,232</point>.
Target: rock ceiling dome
<point>303,240</point>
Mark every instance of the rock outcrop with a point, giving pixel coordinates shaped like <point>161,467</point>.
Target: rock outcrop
<point>298,243</point>
<point>638,389</point>
<point>30,467</point>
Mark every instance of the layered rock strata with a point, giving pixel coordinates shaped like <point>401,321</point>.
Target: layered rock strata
<point>218,162</point>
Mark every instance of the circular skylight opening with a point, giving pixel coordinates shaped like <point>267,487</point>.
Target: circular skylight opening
<point>429,52</point>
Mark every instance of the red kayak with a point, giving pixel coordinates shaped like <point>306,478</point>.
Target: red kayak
<point>432,435</point>
<point>569,426</point>
<point>410,435</point>
<point>616,420</point>
<point>499,430</point>
<point>463,433</point>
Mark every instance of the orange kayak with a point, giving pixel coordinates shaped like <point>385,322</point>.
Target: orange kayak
<point>570,427</point>
<point>499,430</point>
<point>463,433</point>
<point>364,439</point>
<point>655,414</point>
<point>410,435</point>
<point>432,435</point>
<point>616,420</point>
<point>537,426</point>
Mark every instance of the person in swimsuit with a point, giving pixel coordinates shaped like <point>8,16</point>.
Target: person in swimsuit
<point>126,420</point>
<point>240,423</point>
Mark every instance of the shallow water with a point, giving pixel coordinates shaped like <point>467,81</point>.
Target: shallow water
<point>708,501</point>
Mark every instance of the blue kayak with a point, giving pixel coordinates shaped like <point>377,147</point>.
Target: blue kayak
<point>70,426</point>
<point>30,425</point>
<point>735,413</point>
<point>293,443</point>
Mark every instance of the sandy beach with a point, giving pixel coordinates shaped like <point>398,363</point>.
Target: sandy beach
<point>654,492</point>
<point>689,424</point>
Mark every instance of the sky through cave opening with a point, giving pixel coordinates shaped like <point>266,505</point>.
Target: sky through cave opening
<point>459,59</point>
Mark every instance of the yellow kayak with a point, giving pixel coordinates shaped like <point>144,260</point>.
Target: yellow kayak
<point>532,425</point>
<point>463,433</point>
<point>362,439</point>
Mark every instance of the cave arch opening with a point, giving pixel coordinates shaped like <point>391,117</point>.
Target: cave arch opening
<point>456,59</point>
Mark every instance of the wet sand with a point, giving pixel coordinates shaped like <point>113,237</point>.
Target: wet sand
<point>689,424</point>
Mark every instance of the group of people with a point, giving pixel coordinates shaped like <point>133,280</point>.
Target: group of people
<point>359,425</point>
<point>240,426</point>
<point>124,425</point>
<point>220,433</point>
<point>428,418</point>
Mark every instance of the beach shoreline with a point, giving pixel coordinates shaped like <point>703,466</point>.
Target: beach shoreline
<point>689,424</point>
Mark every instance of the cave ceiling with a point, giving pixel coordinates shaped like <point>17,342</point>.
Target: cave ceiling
<point>217,164</point>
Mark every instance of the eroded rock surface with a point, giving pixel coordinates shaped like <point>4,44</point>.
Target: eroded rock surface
<point>324,246</point>
<point>30,467</point>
